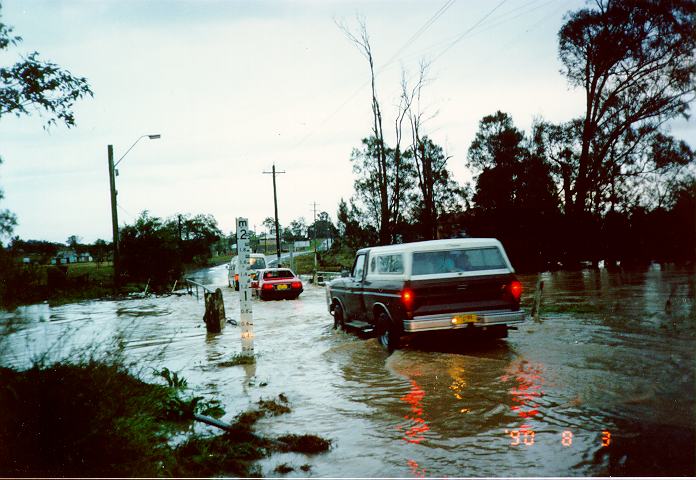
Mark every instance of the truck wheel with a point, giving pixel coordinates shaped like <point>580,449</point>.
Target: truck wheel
<point>498,331</point>
<point>339,321</point>
<point>387,332</point>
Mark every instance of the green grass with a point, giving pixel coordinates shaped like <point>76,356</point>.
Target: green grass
<point>95,419</point>
<point>85,420</point>
<point>81,281</point>
<point>239,359</point>
<point>327,262</point>
<point>220,260</point>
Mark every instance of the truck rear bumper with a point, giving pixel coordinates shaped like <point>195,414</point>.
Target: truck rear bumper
<point>449,321</point>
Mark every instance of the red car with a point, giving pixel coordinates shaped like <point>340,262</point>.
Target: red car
<point>278,283</point>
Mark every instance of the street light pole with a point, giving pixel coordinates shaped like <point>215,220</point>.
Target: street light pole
<point>114,213</point>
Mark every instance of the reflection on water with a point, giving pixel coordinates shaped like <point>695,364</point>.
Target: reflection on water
<point>603,385</point>
<point>415,426</point>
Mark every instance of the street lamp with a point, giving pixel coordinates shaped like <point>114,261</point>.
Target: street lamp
<point>112,185</point>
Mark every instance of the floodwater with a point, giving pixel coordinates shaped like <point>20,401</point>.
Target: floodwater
<point>605,389</point>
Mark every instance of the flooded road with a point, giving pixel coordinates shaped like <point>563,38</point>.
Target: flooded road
<point>604,388</point>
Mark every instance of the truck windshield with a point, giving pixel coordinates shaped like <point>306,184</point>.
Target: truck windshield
<point>257,263</point>
<point>451,261</point>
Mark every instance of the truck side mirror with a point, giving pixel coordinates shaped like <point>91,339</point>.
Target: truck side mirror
<point>345,273</point>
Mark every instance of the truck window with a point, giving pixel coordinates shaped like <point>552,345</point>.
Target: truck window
<point>389,264</point>
<point>359,266</point>
<point>460,260</point>
<point>257,263</point>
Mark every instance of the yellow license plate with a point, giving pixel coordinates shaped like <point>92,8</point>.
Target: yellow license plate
<point>281,287</point>
<point>462,319</point>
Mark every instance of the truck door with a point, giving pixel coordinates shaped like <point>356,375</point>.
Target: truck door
<point>356,303</point>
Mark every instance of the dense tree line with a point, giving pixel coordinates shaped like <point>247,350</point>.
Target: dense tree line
<point>156,250</point>
<point>611,185</point>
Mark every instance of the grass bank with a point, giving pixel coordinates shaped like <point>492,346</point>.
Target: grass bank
<point>95,419</point>
<point>72,283</point>
<point>58,284</point>
<point>327,262</point>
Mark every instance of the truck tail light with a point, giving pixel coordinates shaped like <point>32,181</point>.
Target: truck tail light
<point>267,286</point>
<point>407,298</point>
<point>296,284</point>
<point>516,290</point>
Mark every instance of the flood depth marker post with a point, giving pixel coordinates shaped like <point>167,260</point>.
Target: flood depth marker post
<point>246,318</point>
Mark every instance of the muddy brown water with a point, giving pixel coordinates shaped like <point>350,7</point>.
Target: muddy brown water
<point>606,388</point>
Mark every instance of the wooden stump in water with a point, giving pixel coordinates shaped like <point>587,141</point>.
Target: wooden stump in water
<point>537,299</point>
<point>214,316</point>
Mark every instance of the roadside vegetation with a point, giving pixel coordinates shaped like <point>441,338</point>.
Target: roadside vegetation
<point>93,418</point>
<point>338,258</point>
<point>154,252</point>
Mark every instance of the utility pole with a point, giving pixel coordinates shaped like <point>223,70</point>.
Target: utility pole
<point>114,214</point>
<point>112,185</point>
<point>275,203</point>
<point>314,205</point>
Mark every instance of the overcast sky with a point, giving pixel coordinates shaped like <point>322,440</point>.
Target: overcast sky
<point>235,86</point>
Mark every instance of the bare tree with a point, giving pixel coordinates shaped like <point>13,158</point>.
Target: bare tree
<point>423,161</point>
<point>361,40</point>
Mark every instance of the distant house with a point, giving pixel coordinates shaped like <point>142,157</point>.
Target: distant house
<point>64,257</point>
<point>301,244</point>
<point>84,257</point>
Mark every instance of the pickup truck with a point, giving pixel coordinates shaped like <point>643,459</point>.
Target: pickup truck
<point>257,261</point>
<point>394,290</point>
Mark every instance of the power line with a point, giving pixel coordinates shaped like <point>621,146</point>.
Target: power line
<point>469,30</point>
<point>502,18</point>
<point>418,33</point>
<point>408,42</point>
<point>125,211</point>
<point>451,43</point>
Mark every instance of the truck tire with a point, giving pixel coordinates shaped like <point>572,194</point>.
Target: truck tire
<point>388,334</point>
<point>498,331</point>
<point>339,320</point>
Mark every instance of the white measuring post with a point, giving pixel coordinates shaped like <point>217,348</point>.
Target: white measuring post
<point>245,313</point>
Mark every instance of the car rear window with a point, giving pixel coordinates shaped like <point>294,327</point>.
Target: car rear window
<point>278,274</point>
<point>461,260</point>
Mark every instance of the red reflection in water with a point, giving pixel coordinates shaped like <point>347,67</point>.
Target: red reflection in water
<point>416,469</point>
<point>525,394</point>
<point>416,426</point>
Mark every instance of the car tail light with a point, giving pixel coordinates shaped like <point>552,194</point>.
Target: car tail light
<point>267,286</point>
<point>516,290</point>
<point>296,285</point>
<point>407,298</point>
